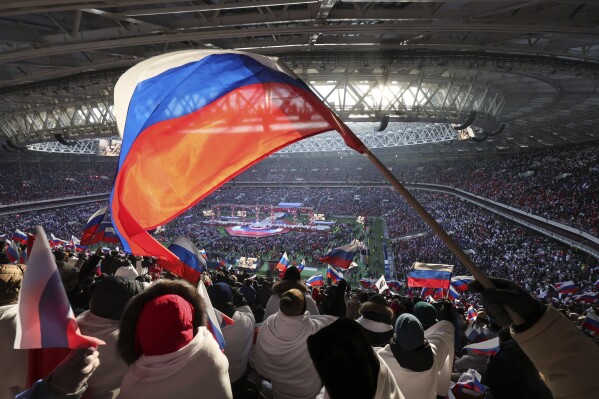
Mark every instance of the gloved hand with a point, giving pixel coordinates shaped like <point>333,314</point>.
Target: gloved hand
<point>447,311</point>
<point>72,373</point>
<point>508,293</point>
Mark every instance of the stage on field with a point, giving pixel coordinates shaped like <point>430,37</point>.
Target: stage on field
<point>250,231</point>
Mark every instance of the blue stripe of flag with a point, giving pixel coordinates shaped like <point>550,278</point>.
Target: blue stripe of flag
<point>183,90</point>
<point>186,257</point>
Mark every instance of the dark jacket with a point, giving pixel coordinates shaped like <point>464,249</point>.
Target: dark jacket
<point>510,374</point>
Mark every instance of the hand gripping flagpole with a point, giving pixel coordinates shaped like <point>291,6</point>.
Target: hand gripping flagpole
<point>425,216</point>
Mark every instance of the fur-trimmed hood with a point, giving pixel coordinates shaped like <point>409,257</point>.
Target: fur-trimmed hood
<point>128,325</point>
<point>280,287</point>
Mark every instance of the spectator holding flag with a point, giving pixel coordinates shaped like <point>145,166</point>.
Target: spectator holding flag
<point>561,352</point>
<point>291,280</point>
<point>511,375</point>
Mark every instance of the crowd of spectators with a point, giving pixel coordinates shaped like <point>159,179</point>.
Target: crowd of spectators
<point>561,184</point>
<point>497,246</point>
<point>393,346</point>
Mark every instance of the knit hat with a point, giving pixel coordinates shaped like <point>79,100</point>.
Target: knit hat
<point>409,333</point>
<point>220,292</point>
<point>111,295</point>
<point>11,277</point>
<point>376,309</point>
<point>292,303</point>
<point>425,313</point>
<point>292,273</point>
<point>165,325</point>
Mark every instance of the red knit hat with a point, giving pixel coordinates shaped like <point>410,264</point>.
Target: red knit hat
<point>165,325</point>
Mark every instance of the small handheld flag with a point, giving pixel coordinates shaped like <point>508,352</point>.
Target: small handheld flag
<point>283,263</point>
<point>315,281</point>
<point>334,274</point>
<point>302,265</point>
<point>214,322</point>
<point>12,252</point>
<point>587,297</point>
<point>474,334</point>
<point>367,283</point>
<point>591,322</point>
<point>567,287</point>
<point>489,347</point>
<point>381,284</point>
<point>342,256</point>
<point>471,313</point>
<point>19,237</point>
<point>430,275</point>
<point>460,283</point>
<point>45,318</point>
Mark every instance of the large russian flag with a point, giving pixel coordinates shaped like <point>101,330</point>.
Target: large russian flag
<point>45,318</point>
<point>333,274</point>
<point>430,275</point>
<point>192,120</point>
<point>189,255</point>
<point>342,256</point>
<point>93,223</point>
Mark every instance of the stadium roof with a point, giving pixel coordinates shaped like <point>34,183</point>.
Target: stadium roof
<point>523,74</point>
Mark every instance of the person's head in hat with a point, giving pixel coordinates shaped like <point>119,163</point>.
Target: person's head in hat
<point>221,296</point>
<point>376,309</point>
<point>292,273</point>
<point>425,313</point>
<point>111,295</point>
<point>293,303</point>
<point>291,280</point>
<point>409,333</point>
<point>162,319</point>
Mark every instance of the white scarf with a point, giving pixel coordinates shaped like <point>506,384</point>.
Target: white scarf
<point>198,370</point>
<point>386,386</point>
<point>105,383</point>
<point>13,366</point>
<point>282,356</point>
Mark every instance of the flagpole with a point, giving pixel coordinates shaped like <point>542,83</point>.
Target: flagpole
<point>432,223</point>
